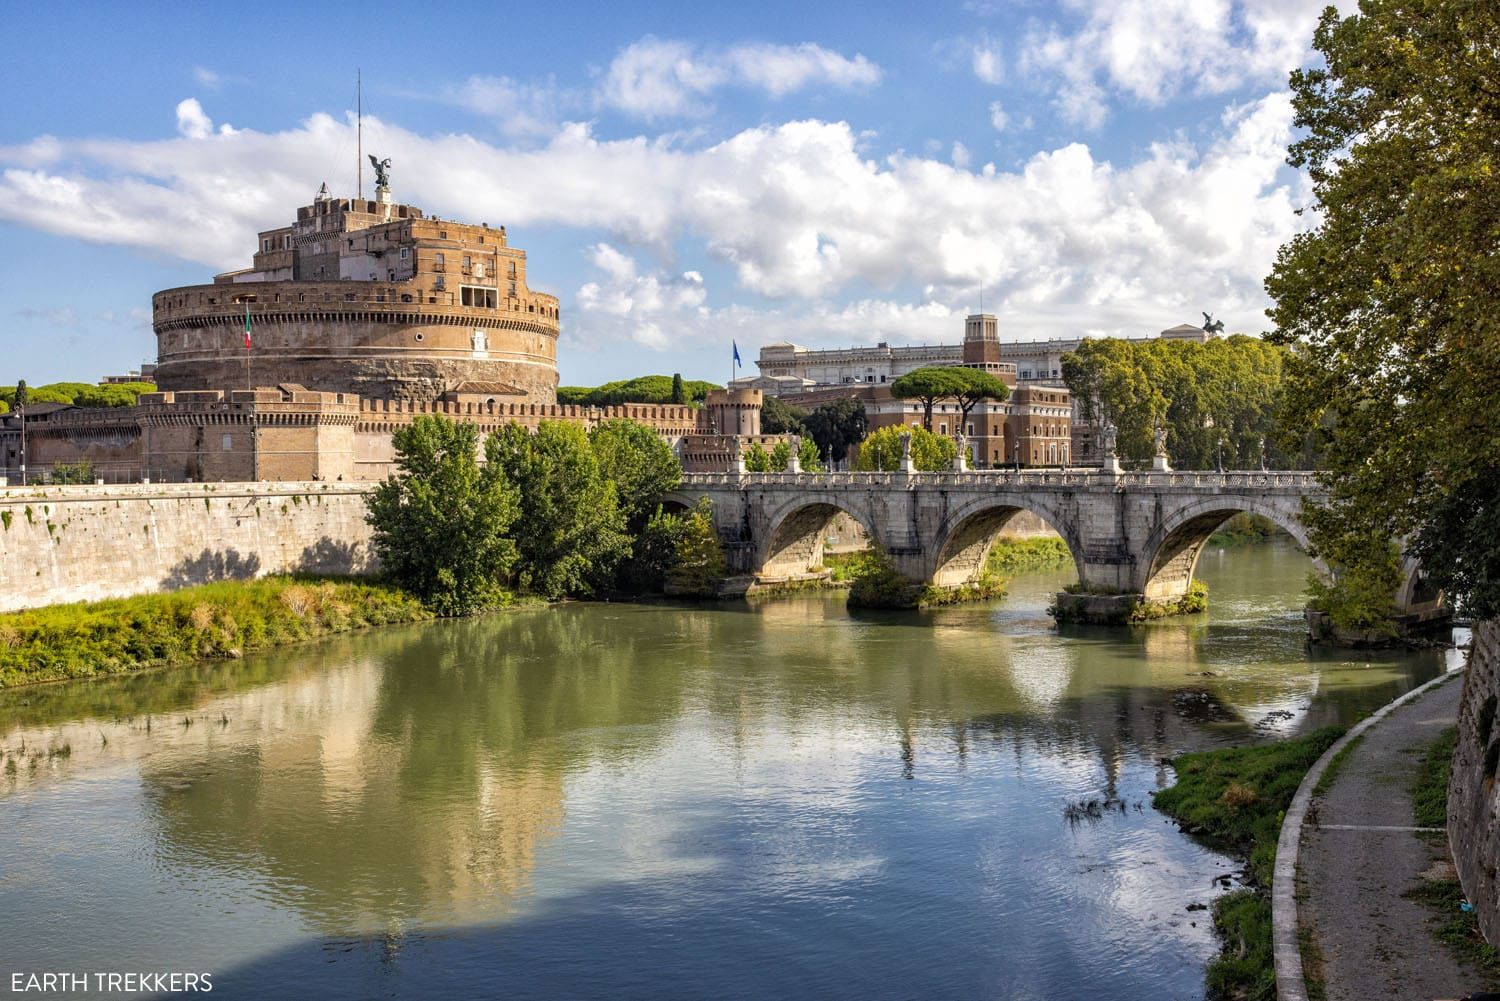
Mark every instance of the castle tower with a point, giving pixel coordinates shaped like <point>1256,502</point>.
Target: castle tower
<point>735,411</point>
<point>368,297</point>
<point>982,341</point>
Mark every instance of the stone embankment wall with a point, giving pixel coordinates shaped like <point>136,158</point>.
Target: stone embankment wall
<point>1473,798</point>
<point>60,544</point>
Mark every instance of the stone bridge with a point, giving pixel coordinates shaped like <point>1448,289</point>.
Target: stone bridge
<point>1134,533</point>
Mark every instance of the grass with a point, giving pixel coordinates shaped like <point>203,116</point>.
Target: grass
<point>1012,556</point>
<point>1429,792</point>
<point>1457,928</point>
<point>1236,797</point>
<point>1244,529</point>
<point>221,620</point>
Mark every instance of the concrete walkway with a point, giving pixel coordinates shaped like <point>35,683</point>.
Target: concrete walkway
<point>1361,855</point>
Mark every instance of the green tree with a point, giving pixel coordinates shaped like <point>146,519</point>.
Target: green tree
<point>1389,302</point>
<point>642,389</point>
<point>929,452</point>
<point>777,417</point>
<point>639,463</point>
<point>781,456</point>
<point>571,533</point>
<point>653,553</point>
<point>808,456</point>
<point>837,426</point>
<point>679,392</point>
<point>22,396</point>
<point>927,386</point>
<point>698,564</point>
<point>441,521</point>
<point>973,387</point>
<point>73,472</point>
<point>756,459</point>
<point>120,394</point>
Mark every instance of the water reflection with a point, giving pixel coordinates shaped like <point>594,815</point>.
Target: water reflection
<point>720,790</point>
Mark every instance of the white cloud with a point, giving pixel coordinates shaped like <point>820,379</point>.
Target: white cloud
<point>192,122</point>
<point>987,63</point>
<point>797,212</point>
<point>959,156</point>
<point>207,77</point>
<point>519,109</point>
<point>633,306</point>
<point>1154,50</point>
<point>998,117</point>
<point>657,78</point>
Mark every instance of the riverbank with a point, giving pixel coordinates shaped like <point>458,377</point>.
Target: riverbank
<point>1236,797</point>
<point>1397,929</point>
<point>221,620</point>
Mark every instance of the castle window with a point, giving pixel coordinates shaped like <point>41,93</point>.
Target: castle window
<point>229,443</point>
<point>442,234</point>
<point>405,253</point>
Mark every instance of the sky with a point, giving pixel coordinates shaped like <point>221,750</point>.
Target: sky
<point>682,176</point>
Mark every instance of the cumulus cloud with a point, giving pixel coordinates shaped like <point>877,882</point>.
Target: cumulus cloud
<point>1153,50</point>
<point>659,78</point>
<point>192,121</point>
<point>518,108</point>
<point>635,306</point>
<point>797,212</point>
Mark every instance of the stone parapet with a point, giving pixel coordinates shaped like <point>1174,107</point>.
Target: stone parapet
<point>1473,790</point>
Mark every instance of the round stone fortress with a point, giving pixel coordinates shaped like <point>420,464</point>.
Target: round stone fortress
<point>367,297</point>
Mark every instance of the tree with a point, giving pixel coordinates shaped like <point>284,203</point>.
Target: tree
<point>698,560</point>
<point>639,463</point>
<point>756,459</point>
<point>1389,303</point>
<point>881,451</point>
<point>927,385</point>
<point>781,456</point>
<point>837,426</point>
<point>642,389</point>
<point>777,417</point>
<point>441,521</point>
<point>23,395</point>
<point>571,532</point>
<point>808,456</point>
<point>679,393</point>
<point>973,387</point>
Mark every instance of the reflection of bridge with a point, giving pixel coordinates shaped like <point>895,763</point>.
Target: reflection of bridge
<point>1137,533</point>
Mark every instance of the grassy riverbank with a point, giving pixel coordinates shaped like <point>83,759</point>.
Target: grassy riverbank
<point>1236,797</point>
<point>226,619</point>
<point>1012,556</point>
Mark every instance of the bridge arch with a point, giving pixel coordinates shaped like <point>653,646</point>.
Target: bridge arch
<point>1172,550</point>
<point>796,532</point>
<point>966,536</point>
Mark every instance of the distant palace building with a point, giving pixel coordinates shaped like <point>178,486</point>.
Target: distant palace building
<point>350,323</point>
<point>1036,426</point>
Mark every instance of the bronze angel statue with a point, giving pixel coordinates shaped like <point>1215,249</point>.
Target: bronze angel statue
<point>382,171</point>
<point>1210,325</point>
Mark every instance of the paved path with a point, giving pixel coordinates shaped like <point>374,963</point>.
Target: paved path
<point>1361,855</point>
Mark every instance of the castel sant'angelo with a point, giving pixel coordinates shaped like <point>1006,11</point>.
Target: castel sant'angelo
<point>358,317</point>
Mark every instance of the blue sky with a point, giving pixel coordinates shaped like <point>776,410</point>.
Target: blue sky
<point>680,174</point>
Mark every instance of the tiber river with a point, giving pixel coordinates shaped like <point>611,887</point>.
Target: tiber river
<point>779,800</point>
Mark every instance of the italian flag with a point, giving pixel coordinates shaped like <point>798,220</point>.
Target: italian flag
<point>247,326</point>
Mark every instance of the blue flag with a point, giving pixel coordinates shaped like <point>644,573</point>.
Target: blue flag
<point>737,362</point>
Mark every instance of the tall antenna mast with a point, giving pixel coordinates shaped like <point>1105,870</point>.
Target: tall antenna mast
<point>359,131</point>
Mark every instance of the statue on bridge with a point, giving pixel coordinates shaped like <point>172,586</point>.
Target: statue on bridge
<point>1108,436</point>
<point>1159,440</point>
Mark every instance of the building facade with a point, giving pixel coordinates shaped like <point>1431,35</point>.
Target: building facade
<point>352,322</point>
<point>369,298</point>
